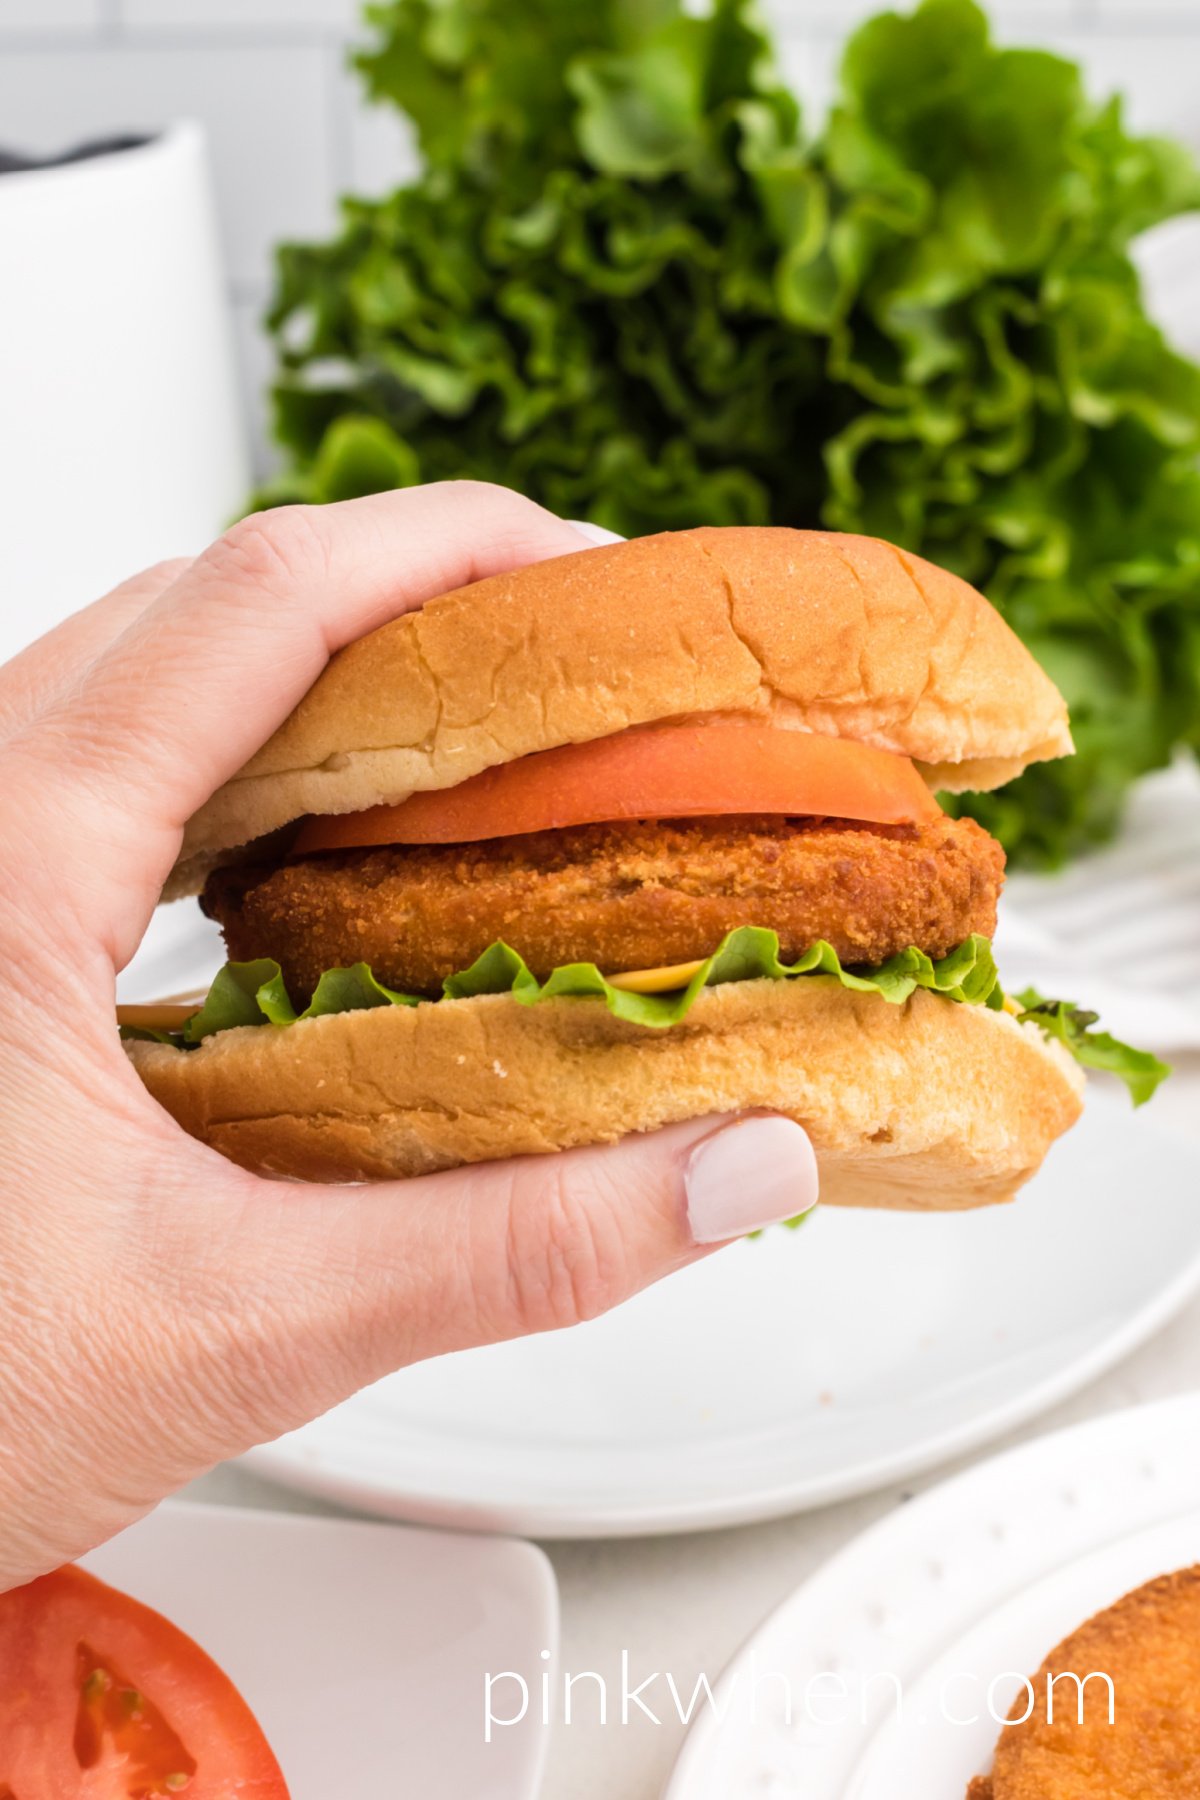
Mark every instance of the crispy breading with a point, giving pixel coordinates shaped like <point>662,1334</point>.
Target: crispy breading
<point>626,896</point>
<point>1149,1645</point>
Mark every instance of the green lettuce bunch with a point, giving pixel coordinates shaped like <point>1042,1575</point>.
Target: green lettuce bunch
<point>629,285</point>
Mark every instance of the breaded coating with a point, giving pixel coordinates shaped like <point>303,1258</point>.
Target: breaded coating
<point>626,896</point>
<point>1149,1645</point>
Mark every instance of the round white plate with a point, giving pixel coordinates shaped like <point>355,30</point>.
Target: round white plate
<point>789,1371</point>
<point>362,1650</point>
<point>899,1658</point>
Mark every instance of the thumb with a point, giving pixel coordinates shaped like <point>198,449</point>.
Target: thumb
<point>364,1280</point>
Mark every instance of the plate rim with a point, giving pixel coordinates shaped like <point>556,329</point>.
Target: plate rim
<point>284,1462</point>
<point>538,1570</point>
<point>989,1470</point>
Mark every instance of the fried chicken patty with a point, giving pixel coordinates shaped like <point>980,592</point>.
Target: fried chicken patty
<point>624,896</point>
<point>1148,1644</point>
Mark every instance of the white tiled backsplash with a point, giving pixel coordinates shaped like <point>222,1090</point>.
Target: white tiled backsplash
<point>289,130</point>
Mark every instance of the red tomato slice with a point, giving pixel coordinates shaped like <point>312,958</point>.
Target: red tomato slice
<point>102,1699</point>
<point>648,772</point>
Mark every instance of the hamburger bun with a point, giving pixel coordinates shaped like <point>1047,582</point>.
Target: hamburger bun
<point>927,1105</point>
<point>932,1103</point>
<point>822,631</point>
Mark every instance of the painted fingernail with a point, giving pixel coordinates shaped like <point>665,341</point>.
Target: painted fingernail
<point>595,534</point>
<point>754,1172</point>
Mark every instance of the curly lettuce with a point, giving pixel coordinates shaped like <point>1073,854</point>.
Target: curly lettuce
<point>1140,1070</point>
<point>628,283</point>
<point>254,993</point>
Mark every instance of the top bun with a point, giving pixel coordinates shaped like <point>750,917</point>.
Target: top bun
<point>818,630</point>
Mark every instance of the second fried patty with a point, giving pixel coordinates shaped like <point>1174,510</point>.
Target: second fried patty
<point>624,896</point>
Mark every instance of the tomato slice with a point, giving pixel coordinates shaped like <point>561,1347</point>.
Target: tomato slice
<point>102,1699</point>
<point>648,772</point>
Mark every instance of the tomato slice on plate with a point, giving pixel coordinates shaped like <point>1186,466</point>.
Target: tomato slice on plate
<point>103,1699</point>
<point>649,772</point>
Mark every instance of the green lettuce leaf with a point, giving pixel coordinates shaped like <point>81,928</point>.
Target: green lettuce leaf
<point>253,993</point>
<point>1141,1071</point>
<point>968,973</point>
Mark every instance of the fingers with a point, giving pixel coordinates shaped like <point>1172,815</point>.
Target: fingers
<point>177,1311</point>
<point>181,700</point>
<point>43,673</point>
<point>337,1287</point>
<point>184,698</point>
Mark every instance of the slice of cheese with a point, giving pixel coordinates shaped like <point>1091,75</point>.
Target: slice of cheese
<point>655,981</point>
<point>161,1016</point>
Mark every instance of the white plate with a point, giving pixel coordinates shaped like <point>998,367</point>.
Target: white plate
<point>973,1583</point>
<point>179,954</point>
<point>362,1649</point>
<point>791,1371</point>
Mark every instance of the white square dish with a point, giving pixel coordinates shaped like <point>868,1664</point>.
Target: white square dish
<point>361,1648</point>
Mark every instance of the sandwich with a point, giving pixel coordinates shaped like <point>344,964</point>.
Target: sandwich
<point>1113,1710</point>
<point>631,836</point>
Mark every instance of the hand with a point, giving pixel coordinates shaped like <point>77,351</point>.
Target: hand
<point>163,1309</point>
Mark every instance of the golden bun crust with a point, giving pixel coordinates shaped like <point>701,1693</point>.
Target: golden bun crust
<point>826,632</point>
<point>929,1105</point>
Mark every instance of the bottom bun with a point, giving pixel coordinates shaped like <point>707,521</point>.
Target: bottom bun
<point>930,1105</point>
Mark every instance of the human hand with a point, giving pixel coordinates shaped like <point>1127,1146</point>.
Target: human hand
<point>162,1308</point>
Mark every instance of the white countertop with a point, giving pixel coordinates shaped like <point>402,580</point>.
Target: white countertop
<point>684,1604</point>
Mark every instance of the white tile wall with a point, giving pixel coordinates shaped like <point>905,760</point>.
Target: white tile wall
<point>1146,13</point>
<point>289,130</point>
<point>809,60</point>
<point>1157,72</point>
<point>51,16</point>
<point>255,362</point>
<point>245,16</point>
<point>266,111</point>
<point>377,145</point>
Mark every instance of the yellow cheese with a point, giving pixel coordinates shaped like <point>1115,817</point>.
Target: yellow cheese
<point>159,1017</point>
<point>655,981</point>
